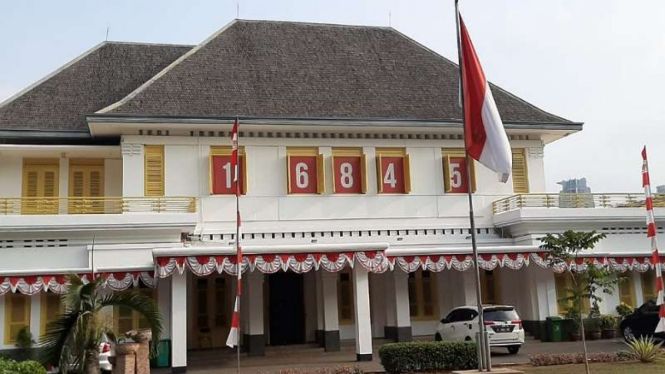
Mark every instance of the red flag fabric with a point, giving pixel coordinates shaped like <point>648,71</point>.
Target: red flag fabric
<point>486,139</point>
<point>234,333</point>
<point>234,156</point>
<point>651,234</point>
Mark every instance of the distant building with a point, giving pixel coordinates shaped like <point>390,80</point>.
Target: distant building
<point>574,186</point>
<point>660,189</point>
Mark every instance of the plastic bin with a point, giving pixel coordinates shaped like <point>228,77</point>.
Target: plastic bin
<point>163,359</point>
<point>554,329</point>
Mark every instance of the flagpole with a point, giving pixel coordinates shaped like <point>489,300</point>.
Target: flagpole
<point>484,359</point>
<point>238,256</point>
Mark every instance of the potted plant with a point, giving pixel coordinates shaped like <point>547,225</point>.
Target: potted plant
<point>573,322</point>
<point>608,326</point>
<point>593,329</point>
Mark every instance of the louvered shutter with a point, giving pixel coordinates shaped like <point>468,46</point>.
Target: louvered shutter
<point>520,172</point>
<point>31,184</point>
<point>154,170</point>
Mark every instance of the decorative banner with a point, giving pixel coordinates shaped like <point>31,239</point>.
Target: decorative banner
<point>57,283</point>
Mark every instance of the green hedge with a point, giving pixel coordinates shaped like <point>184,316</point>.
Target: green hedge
<point>9,366</point>
<point>428,356</point>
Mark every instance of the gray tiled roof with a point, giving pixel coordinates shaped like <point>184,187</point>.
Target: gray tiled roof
<point>297,70</point>
<point>100,77</point>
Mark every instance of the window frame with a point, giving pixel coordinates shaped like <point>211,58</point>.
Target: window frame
<point>227,151</point>
<point>9,300</point>
<point>350,152</point>
<point>406,167</point>
<point>446,155</point>
<point>44,321</point>
<point>419,302</point>
<point>320,169</point>
<point>42,204</point>
<point>524,186</point>
<point>136,316</point>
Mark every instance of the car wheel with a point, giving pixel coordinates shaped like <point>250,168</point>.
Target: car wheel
<point>467,339</point>
<point>628,333</point>
<point>513,349</point>
<point>437,337</point>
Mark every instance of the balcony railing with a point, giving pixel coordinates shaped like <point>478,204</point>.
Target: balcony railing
<point>587,200</point>
<point>96,205</point>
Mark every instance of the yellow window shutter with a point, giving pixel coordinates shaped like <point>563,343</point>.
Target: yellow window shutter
<point>96,186</point>
<point>243,171</point>
<point>320,175</point>
<point>17,315</point>
<point>288,173</point>
<point>77,183</point>
<point>30,184</point>
<point>446,174</point>
<point>407,173</point>
<point>520,172</point>
<point>50,184</point>
<point>379,174</point>
<point>363,173</point>
<point>154,170</point>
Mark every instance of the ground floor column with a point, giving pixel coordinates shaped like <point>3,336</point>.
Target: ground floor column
<point>179,323</point>
<point>363,323</point>
<point>36,315</point>
<point>319,307</point>
<point>540,299</point>
<point>330,312</point>
<point>254,336</point>
<point>399,327</point>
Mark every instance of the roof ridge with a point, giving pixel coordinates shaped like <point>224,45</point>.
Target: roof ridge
<point>52,74</point>
<point>172,65</point>
<point>120,42</point>
<point>322,24</point>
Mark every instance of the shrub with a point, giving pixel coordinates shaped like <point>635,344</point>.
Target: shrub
<point>325,370</point>
<point>608,322</point>
<point>576,358</point>
<point>8,366</point>
<point>624,309</point>
<point>645,349</point>
<point>428,356</point>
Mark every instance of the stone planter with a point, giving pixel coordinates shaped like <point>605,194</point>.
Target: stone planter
<point>126,349</point>
<point>594,335</point>
<point>575,336</point>
<point>125,358</point>
<point>142,337</point>
<point>609,334</point>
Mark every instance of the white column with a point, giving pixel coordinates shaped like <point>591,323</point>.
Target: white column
<point>401,301</point>
<point>179,323</point>
<point>254,334</point>
<point>319,307</point>
<point>330,311</point>
<point>63,182</point>
<point>639,293</point>
<point>363,323</point>
<point>35,315</point>
<point>391,323</point>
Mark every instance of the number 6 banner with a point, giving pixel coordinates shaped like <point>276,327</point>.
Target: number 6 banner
<point>305,172</point>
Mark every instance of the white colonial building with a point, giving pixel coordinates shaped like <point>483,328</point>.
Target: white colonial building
<point>355,217</point>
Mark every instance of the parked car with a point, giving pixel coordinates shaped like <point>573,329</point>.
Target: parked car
<point>642,322</point>
<point>502,323</point>
<point>106,350</point>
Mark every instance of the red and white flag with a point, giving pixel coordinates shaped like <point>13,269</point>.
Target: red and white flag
<point>651,234</point>
<point>234,335</point>
<point>486,139</point>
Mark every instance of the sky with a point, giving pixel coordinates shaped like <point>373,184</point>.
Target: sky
<point>594,61</point>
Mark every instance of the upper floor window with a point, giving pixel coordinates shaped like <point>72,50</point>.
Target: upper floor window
<point>304,171</point>
<point>222,181</point>
<point>40,181</point>
<point>86,179</point>
<point>520,171</point>
<point>454,171</point>
<point>154,170</point>
<point>393,170</point>
<point>349,171</point>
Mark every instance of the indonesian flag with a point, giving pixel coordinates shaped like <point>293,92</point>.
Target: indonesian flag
<point>234,156</point>
<point>651,234</point>
<point>486,139</point>
<point>232,340</point>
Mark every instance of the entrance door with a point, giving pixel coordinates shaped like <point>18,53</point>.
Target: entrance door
<point>212,309</point>
<point>287,309</point>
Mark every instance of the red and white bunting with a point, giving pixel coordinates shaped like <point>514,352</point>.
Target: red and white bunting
<point>57,283</point>
<point>651,234</point>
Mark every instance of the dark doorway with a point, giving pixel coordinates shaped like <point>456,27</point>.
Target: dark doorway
<point>287,309</point>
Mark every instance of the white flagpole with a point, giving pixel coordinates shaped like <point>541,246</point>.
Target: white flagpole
<point>484,356</point>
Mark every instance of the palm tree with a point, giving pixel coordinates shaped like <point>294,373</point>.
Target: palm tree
<point>72,341</point>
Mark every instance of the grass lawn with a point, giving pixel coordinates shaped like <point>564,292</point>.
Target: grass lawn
<point>604,368</point>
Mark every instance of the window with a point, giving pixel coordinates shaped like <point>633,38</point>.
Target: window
<point>627,290</point>
<point>393,170</point>
<point>154,170</point>
<point>221,318</point>
<point>125,319</point>
<point>221,175</point>
<point>40,181</point>
<point>349,171</point>
<point>454,171</point>
<point>305,171</point>
<point>648,279</point>
<point>52,307</point>
<point>563,283</point>
<point>17,315</point>
<point>202,303</point>
<point>345,298</point>
<point>520,172</point>
<point>423,303</point>
<point>490,287</point>
<point>86,179</point>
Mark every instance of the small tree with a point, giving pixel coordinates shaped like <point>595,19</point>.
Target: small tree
<point>563,249</point>
<point>72,341</point>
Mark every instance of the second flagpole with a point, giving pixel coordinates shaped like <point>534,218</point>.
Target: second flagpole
<point>484,359</point>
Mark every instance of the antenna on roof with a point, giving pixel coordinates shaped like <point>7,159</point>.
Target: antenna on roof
<point>390,19</point>
<point>237,8</point>
<point>107,32</point>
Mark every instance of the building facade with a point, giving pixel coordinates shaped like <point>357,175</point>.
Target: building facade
<point>355,215</point>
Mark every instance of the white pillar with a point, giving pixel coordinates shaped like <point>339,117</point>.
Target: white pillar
<point>330,312</point>
<point>363,321</point>
<point>179,323</point>
<point>540,291</point>
<point>36,316</point>
<point>319,307</point>
<point>639,293</point>
<point>254,334</point>
<point>401,302</point>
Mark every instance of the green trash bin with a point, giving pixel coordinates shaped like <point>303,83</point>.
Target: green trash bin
<point>163,359</point>
<point>554,329</point>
